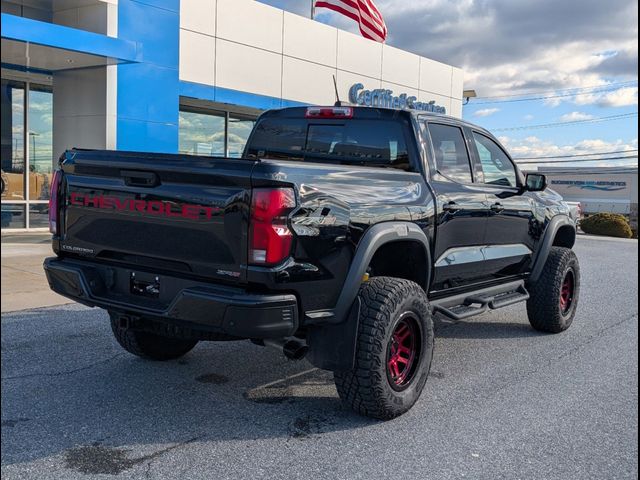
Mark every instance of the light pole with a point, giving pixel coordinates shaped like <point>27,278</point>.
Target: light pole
<point>33,136</point>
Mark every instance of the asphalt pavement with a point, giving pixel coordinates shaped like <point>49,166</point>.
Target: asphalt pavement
<point>502,401</point>
<point>24,284</point>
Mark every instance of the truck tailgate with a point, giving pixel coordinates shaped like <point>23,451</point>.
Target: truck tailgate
<point>168,213</point>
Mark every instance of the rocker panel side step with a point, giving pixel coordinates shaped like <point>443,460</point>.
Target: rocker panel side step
<point>462,306</point>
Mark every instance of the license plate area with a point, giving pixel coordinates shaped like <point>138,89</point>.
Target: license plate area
<point>144,285</point>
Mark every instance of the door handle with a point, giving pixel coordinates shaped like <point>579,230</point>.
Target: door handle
<point>134,178</point>
<point>450,207</point>
<point>497,207</point>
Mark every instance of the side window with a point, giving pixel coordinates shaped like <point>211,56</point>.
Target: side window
<point>496,166</point>
<point>452,159</point>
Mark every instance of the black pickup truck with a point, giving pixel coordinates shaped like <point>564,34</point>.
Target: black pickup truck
<point>337,236</point>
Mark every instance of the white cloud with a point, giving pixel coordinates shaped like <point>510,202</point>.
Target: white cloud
<point>575,116</point>
<point>528,117</point>
<point>508,47</point>
<point>622,97</point>
<point>535,147</point>
<point>485,112</point>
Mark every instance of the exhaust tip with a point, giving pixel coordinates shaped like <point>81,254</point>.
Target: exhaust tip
<point>295,350</point>
<point>292,348</point>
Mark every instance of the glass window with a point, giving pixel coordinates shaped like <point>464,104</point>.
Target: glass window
<point>452,159</point>
<point>40,141</point>
<point>238,134</point>
<point>12,216</point>
<point>357,142</point>
<point>279,139</point>
<point>38,215</point>
<point>12,126</point>
<point>496,166</point>
<point>201,133</point>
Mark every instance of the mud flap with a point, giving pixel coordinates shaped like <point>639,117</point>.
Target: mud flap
<point>333,347</point>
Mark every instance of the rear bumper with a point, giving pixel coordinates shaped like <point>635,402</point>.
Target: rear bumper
<point>202,306</point>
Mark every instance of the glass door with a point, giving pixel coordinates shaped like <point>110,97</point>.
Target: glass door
<point>26,153</point>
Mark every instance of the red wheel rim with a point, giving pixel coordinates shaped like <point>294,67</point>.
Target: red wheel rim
<point>566,292</point>
<point>403,352</point>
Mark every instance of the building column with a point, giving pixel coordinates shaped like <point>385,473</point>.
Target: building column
<point>84,99</point>
<point>148,92</point>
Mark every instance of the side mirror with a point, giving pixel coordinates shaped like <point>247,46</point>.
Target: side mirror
<point>535,182</point>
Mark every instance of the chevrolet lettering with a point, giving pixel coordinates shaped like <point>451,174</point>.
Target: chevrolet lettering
<point>144,207</point>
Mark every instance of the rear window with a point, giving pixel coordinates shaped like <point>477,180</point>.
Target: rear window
<point>373,143</point>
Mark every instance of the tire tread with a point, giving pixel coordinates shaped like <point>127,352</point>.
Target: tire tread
<point>543,304</point>
<point>363,387</point>
<point>148,345</point>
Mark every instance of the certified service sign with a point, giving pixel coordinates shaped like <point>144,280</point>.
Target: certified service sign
<point>381,97</point>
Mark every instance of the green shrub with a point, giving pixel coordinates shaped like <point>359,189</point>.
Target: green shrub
<point>610,224</point>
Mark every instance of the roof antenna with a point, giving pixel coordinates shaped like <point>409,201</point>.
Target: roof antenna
<point>335,86</point>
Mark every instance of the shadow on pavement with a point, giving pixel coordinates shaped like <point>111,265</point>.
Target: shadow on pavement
<point>479,327</point>
<point>68,388</point>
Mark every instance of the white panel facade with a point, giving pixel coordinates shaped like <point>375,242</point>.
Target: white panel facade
<point>96,16</point>
<point>399,89</point>
<point>442,100</point>
<point>197,57</point>
<point>456,108</point>
<point>457,83</point>
<point>198,16</point>
<point>400,67</point>
<point>307,82</point>
<point>359,55</point>
<point>250,23</point>
<point>83,110</point>
<point>311,41</point>
<point>346,79</point>
<point>248,69</point>
<point>251,47</point>
<point>80,92</point>
<point>435,77</point>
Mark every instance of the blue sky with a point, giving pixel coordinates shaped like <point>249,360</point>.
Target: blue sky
<point>528,48</point>
<point>588,133</point>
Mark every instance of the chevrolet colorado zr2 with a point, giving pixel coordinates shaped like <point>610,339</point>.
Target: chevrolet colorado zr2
<point>337,236</point>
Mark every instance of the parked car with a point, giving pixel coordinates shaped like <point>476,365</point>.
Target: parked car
<point>575,211</point>
<point>575,208</point>
<point>339,234</point>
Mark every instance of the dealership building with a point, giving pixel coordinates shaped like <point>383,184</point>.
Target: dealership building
<point>186,76</point>
<point>597,189</point>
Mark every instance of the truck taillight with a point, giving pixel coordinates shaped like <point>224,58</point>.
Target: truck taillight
<point>269,234</point>
<point>329,112</point>
<point>53,201</point>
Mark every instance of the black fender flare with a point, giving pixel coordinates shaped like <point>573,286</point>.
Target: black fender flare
<point>332,334</point>
<point>546,243</point>
<point>371,241</point>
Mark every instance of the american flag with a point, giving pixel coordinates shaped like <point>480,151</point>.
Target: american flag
<point>364,12</point>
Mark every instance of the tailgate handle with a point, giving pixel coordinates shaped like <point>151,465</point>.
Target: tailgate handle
<point>139,179</point>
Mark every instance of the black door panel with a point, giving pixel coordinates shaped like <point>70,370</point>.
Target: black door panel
<point>510,213</point>
<point>462,211</point>
<point>461,221</point>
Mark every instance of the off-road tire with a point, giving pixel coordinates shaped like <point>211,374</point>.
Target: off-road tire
<point>150,345</point>
<point>544,307</point>
<point>367,388</point>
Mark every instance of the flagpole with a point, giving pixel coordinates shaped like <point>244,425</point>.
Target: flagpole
<point>313,8</point>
